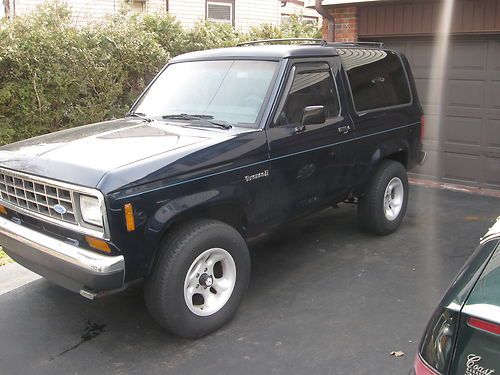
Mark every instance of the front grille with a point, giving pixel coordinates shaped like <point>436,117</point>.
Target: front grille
<point>36,196</point>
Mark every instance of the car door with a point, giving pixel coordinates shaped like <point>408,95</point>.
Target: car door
<point>310,165</point>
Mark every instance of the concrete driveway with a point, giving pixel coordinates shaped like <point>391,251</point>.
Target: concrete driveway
<point>324,298</point>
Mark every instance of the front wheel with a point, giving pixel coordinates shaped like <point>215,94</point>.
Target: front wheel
<point>381,210</point>
<point>199,279</point>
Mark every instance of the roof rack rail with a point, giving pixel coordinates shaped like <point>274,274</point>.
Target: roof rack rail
<point>366,44</point>
<point>271,41</point>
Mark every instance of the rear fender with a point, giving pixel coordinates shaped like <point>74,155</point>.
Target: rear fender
<point>397,150</point>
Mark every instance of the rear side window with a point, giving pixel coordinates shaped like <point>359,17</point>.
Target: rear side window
<point>377,78</point>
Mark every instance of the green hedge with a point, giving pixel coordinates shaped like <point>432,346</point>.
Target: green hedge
<point>55,75</point>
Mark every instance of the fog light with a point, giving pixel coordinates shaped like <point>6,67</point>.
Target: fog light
<point>3,210</point>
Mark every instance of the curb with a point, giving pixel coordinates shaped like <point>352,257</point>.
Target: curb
<point>454,187</point>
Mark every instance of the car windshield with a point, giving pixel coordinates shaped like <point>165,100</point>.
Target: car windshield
<point>230,90</point>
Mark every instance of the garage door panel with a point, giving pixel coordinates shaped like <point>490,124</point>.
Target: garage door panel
<point>492,134</point>
<point>469,56</point>
<point>466,93</point>
<point>430,168</point>
<point>494,100</point>
<point>494,60</point>
<point>492,171</point>
<point>431,127</point>
<point>462,130</point>
<point>461,167</point>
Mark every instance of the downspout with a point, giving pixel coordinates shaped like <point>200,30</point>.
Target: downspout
<point>330,36</point>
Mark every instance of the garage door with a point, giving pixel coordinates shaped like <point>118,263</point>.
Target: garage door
<point>465,148</point>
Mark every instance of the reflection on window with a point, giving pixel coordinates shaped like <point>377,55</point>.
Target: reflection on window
<point>309,89</point>
<point>377,78</point>
<point>232,91</point>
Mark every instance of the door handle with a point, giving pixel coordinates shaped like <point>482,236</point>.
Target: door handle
<point>299,129</point>
<point>344,129</point>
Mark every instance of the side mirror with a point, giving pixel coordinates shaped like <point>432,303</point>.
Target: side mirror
<point>314,114</point>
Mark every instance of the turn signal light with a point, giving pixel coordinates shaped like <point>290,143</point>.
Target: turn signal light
<point>483,325</point>
<point>129,217</point>
<point>3,210</point>
<point>98,244</point>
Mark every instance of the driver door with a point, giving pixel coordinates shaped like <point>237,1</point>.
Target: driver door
<point>310,165</point>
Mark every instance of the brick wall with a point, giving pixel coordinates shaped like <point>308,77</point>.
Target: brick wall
<point>346,24</point>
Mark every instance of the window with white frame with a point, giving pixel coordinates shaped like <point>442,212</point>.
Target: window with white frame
<point>220,11</point>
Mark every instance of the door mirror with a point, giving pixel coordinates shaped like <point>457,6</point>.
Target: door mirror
<point>314,114</point>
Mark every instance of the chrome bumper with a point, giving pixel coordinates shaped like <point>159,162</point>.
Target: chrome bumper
<point>70,266</point>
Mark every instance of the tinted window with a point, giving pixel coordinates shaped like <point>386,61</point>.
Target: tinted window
<point>309,88</point>
<point>376,77</point>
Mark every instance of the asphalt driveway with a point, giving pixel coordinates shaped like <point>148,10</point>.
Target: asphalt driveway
<point>324,299</point>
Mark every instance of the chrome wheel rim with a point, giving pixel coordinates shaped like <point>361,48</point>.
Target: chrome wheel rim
<point>393,198</point>
<point>209,282</point>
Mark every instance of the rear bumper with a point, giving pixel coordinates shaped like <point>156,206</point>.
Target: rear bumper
<point>67,265</point>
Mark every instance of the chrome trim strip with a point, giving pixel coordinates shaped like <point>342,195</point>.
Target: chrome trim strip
<point>104,233</point>
<point>52,247</point>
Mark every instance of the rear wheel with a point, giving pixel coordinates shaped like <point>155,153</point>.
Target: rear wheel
<point>199,279</point>
<point>381,210</point>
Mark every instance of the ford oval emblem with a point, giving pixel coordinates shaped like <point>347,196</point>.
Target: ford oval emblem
<point>60,209</point>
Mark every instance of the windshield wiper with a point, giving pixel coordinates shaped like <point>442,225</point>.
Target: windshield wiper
<point>205,119</point>
<point>140,115</point>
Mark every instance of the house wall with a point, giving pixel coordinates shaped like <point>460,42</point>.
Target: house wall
<point>87,10</point>
<point>254,12</point>
<point>296,6</point>
<point>188,12</point>
<point>422,17</point>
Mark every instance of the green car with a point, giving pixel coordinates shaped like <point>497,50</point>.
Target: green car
<point>463,335</point>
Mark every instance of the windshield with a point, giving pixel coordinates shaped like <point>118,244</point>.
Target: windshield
<point>229,90</point>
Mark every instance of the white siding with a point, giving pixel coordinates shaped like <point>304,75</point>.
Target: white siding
<point>187,11</point>
<point>255,12</point>
<point>89,10</point>
<point>293,8</point>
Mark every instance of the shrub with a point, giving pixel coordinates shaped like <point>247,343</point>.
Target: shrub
<point>55,75</point>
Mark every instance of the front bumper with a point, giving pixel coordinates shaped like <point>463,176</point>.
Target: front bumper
<point>74,268</point>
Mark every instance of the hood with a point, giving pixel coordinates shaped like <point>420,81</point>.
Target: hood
<point>85,154</point>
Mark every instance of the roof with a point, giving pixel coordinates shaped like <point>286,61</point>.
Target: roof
<point>266,52</point>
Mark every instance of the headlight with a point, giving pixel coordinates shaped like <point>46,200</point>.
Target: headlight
<point>90,209</point>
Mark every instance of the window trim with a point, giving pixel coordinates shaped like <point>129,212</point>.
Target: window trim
<point>288,85</point>
<point>231,4</point>
<point>362,113</point>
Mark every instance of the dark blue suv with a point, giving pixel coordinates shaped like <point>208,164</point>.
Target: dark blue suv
<point>223,145</point>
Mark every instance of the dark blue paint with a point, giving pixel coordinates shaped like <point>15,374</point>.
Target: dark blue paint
<point>170,172</point>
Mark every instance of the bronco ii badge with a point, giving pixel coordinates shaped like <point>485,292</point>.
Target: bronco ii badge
<point>257,175</point>
<point>473,367</point>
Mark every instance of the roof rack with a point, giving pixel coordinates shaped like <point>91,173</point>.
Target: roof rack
<point>313,41</point>
<point>355,44</point>
<point>271,41</point>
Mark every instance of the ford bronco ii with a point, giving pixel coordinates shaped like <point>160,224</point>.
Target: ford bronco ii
<point>223,145</point>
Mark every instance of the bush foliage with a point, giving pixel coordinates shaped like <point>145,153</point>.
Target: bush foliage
<point>55,75</point>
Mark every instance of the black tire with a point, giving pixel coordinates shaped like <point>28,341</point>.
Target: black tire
<point>164,289</point>
<point>371,215</point>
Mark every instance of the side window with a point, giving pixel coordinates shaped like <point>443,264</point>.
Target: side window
<point>309,88</point>
<point>377,78</point>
